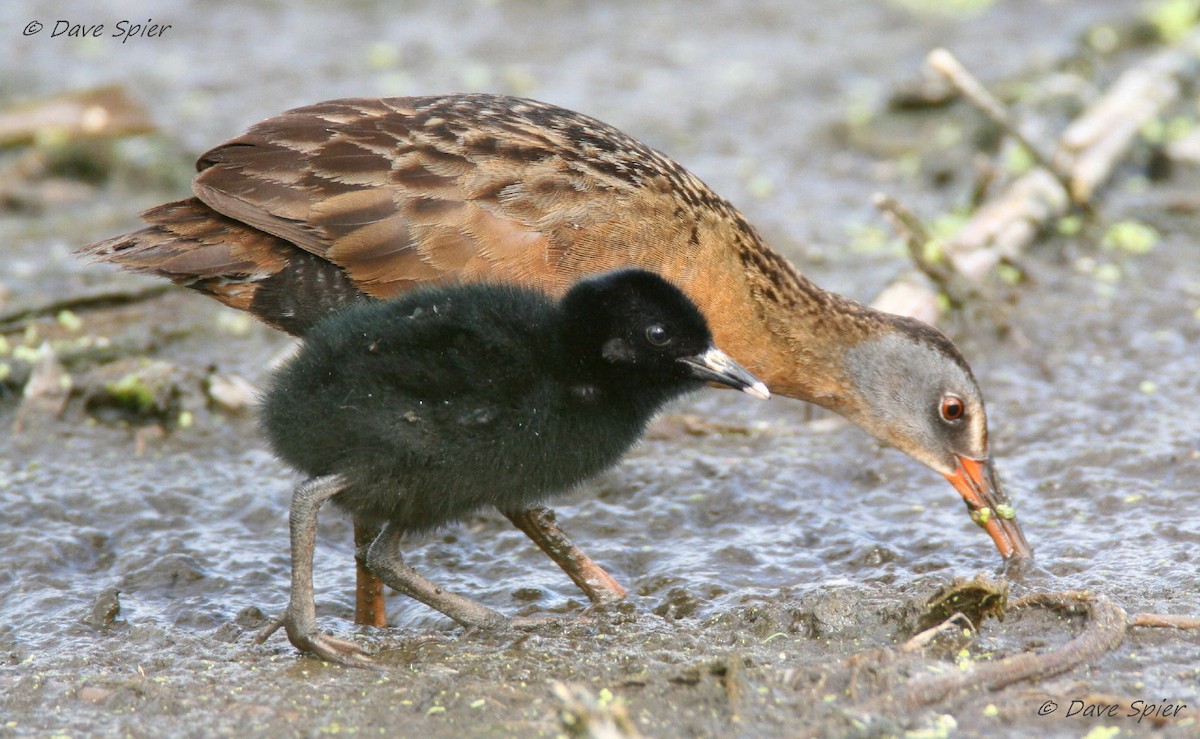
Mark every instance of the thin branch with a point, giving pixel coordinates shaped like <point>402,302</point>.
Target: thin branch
<point>945,63</point>
<point>916,238</point>
<point>102,297</point>
<point>1088,151</point>
<point>1165,620</point>
<point>955,624</point>
<point>105,112</point>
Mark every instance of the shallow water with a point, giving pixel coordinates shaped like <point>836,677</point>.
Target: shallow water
<point>1093,398</point>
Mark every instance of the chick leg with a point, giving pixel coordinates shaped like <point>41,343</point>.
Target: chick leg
<point>539,524</point>
<point>300,619</point>
<point>385,560</point>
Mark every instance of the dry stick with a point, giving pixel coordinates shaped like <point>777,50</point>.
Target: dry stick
<point>908,294</point>
<point>945,64</point>
<point>1092,145</point>
<point>1165,621</point>
<point>1088,151</point>
<point>916,238</point>
<point>102,297</point>
<point>106,112</point>
<point>951,625</point>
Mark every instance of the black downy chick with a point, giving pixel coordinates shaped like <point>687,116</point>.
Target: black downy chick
<point>419,411</point>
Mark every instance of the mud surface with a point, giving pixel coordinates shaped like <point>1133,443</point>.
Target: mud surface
<point>759,552</point>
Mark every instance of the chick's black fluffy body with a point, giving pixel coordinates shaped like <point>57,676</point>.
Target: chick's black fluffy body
<point>419,411</point>
<point>451,399</point>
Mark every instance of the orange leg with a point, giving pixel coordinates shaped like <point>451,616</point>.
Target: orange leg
<point>370,608</point>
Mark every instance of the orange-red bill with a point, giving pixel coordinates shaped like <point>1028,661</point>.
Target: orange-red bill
<point>975,480</point>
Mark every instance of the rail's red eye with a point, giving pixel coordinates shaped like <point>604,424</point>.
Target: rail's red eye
<point>952,408</point>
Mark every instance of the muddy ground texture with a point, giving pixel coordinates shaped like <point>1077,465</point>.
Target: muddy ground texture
<point>780,563</point>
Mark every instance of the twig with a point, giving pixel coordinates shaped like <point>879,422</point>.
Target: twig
<point>958,622</point>
<point>1165,620</point>
<point>918,240</point>
<point>1089,150</point>
<point>106,112</point>
<point>911,294</point>
<point>916,237</point>
<point>105,296</point>
<point>1093,144</point>
<point>945,63</point>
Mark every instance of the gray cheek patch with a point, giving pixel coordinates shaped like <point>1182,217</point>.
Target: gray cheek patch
<point>617,350</point>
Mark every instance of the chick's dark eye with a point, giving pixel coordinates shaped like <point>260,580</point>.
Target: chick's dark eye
<point>952,408</point>
<point>657,335</point>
